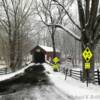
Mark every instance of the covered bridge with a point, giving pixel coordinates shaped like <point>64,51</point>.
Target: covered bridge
<point>42,53</point>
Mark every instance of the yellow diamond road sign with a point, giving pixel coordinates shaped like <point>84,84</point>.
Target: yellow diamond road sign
<point>56,59</point>
<point>87,54</point>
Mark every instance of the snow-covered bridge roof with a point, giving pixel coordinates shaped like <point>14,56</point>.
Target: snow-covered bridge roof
<point>45,48</point>
<point>48,49</point>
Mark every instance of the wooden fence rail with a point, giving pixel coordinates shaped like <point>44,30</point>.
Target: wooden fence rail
<point>4,71</point>
<point>79,74</point>
<point>97,77</point>
<point>76,74</point>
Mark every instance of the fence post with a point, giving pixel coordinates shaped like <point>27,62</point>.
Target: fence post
<point>66,72</point>
<point>70,72</point>
<point>98,77</point>
<point>81,76</point>
<point>5,70</point>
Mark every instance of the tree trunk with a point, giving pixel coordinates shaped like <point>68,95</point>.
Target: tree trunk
<point>53,30</point>
<point>12,44</point>
<point>91,70</point>
<point>53,44</point>
<point>19,52</point>
<point>12,57</point>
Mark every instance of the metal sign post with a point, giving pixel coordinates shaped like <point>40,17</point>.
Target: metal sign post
<point>87,68</point>
<point>87,76</point>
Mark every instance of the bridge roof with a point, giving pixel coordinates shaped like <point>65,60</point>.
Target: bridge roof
<point>45,48</point>
<point>48,49</point>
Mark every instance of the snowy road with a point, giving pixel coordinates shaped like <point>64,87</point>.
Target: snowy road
<point>40,92</point>
<point>58,89</point>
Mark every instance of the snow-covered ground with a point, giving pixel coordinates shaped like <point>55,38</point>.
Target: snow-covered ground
<point>78,66</point>
<point>72,87</point>
<point>34,92</point>
<point>69,89</point>
<point>38,92</point>
<point>10,75</point>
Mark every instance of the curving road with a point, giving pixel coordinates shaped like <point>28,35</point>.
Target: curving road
<point>38,92</point>
<point>42,90</point>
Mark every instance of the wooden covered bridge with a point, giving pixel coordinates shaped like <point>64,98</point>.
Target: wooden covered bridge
<point>42,53</point>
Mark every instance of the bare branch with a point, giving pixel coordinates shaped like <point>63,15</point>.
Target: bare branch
<point>66,30</point>
<point>5,5</point>
<point>93,13</point>
<point>81,14</point>
<point>3,25</point>
<point>97,24</point>
<point>68,14</point>
<point>87,10</point>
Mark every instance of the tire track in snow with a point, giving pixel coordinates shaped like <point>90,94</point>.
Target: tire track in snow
<point>49,93</point>
<point>39,92</point>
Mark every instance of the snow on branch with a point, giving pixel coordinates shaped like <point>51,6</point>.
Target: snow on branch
<point>67,14</point>
<point>65,29</point>
<point>69,32</point>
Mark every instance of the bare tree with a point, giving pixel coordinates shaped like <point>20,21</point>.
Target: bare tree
<point>46,11</point>
<point>13,22</point>
<point>89,19</point>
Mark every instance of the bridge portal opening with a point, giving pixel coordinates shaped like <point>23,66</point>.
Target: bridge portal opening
<point>39,56</point>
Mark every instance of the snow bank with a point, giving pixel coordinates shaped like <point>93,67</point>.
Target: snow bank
<point>74,88</point>
<point>10,75</point>
<point>48,49</point>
